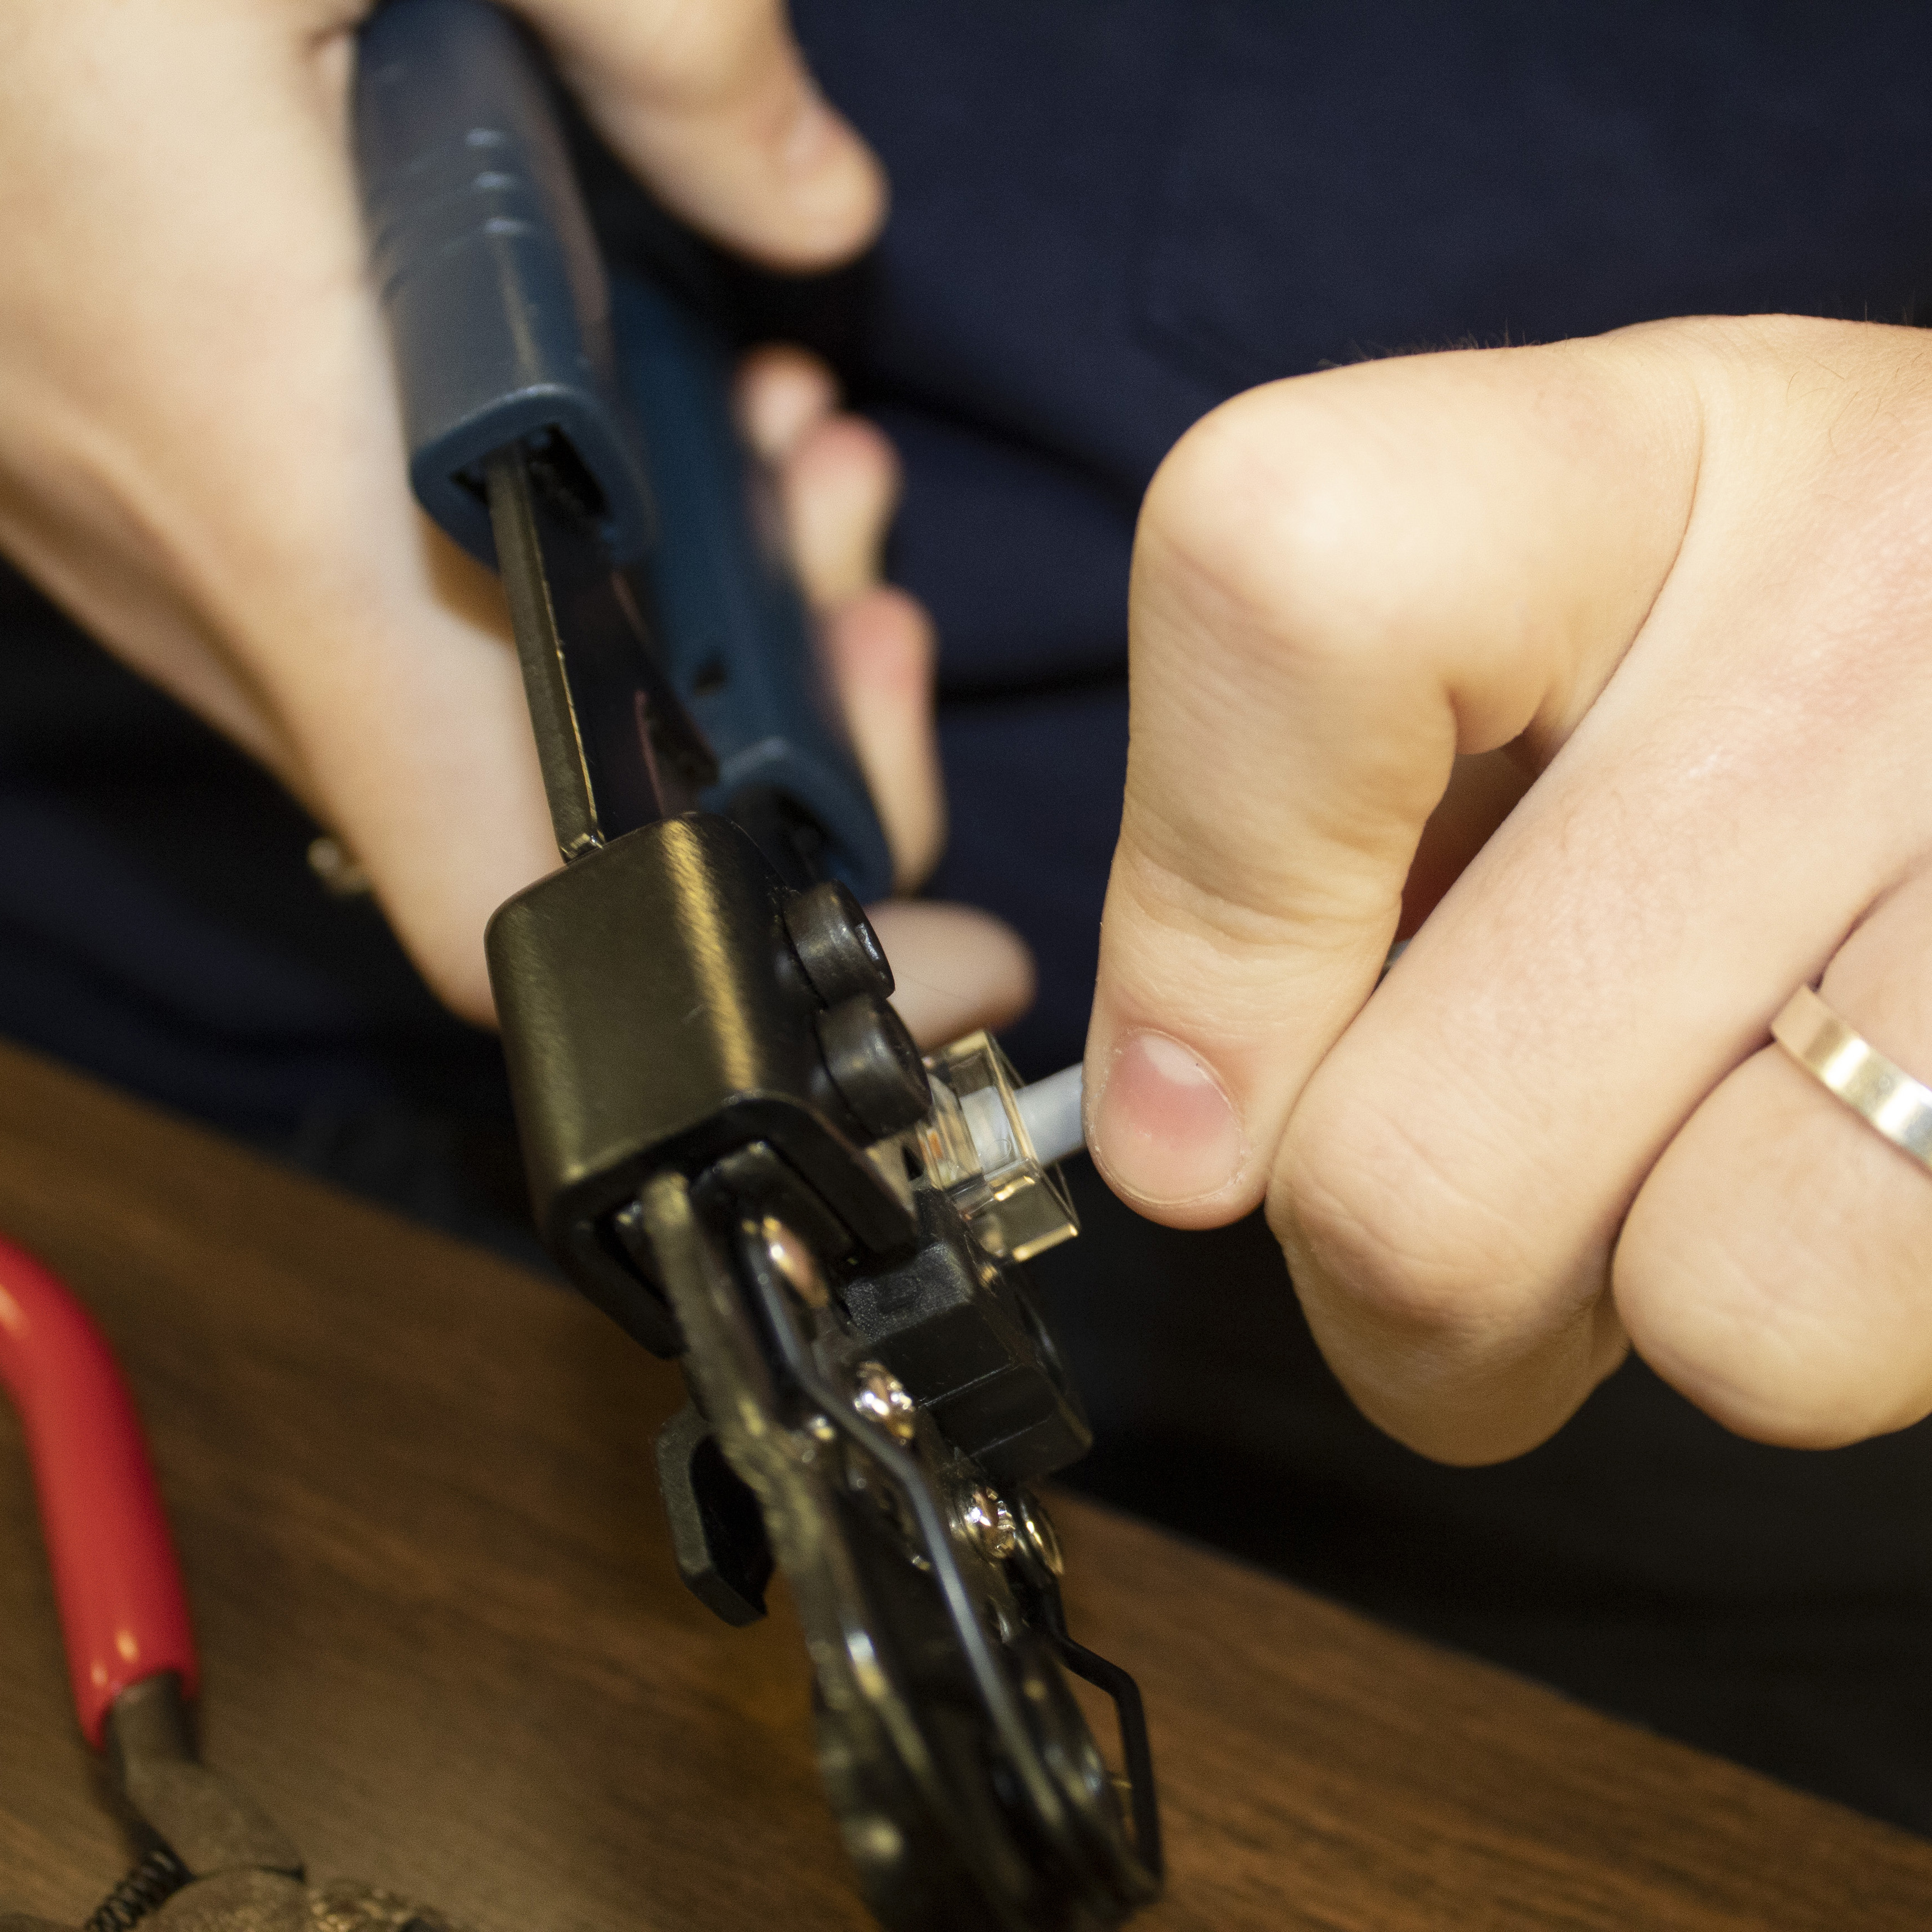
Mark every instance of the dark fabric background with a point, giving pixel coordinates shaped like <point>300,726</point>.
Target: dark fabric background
<point>1110,214</point>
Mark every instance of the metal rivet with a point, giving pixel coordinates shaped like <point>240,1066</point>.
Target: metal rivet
<point>874,1065</point>
<point>880,1397</point>
<point>875,1842</point>
<point>1036,1526</point>
<point>836,943</point>
<point>796,1265</point>
<point>988,1523</point>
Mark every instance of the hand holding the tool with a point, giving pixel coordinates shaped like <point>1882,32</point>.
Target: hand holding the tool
<point>956,968</point>
<point>200,453</point>
<point>1670,588</point>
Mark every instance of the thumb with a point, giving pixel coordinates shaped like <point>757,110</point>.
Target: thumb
<point>711,104</point>
<point>1340,582</point>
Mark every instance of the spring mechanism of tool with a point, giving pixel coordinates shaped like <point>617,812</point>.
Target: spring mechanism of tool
<point>151,1884</point>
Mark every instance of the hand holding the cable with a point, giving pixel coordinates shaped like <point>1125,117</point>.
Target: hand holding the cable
<point>1647,613</point>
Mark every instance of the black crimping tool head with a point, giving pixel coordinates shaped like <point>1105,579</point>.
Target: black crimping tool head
<point>732,1144</point>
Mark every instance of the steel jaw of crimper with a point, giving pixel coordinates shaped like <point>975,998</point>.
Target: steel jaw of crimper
<point>969,1790</point>
<point>733,1145</point>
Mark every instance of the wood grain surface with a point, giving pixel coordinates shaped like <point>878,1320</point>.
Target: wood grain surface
<point>444,1642</point>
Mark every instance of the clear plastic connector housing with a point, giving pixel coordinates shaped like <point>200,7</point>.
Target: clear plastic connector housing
<point>974,1145</point>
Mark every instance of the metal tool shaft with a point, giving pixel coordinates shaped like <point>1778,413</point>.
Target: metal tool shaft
<point>616,748</point>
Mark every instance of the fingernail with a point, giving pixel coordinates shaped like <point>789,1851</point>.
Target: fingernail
<point>1162,1129</point>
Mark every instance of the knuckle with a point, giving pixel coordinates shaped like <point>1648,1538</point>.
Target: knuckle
<point>1278,523</point>
<point>1255,518</point>
<point>1792,398</point>
<point>853,464</point>
<point>1371,1212</point>
<point>882,646</point>
<point>1457,1325</point>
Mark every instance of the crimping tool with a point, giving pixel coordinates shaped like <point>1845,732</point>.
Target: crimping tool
<point>733,1145</point>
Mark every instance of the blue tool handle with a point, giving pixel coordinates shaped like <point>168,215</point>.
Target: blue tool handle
<point>488,272</point>
<point>504,325</point>
<point>737,639</point>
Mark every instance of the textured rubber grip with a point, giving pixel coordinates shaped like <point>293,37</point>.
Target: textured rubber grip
<point>486,266</point>
<point>123,1612</point>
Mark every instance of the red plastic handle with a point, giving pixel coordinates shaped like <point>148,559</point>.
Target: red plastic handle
<point>122,1608</point>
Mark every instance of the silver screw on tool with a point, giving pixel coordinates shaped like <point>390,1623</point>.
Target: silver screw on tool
<point>880,1397</point>
<point>989,1524</point>
<point>797,1266</point>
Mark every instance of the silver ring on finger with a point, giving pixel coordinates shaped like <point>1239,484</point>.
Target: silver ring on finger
<point>1879,1090</point>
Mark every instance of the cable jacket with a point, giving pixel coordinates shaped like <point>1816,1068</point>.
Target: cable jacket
<point>1050,1111</point>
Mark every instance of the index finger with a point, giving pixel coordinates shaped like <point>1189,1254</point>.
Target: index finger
<point>1340,581</point>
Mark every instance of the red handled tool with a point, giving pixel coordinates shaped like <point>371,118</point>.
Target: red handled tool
<point>122,1609</point>
<point>212,1859</point>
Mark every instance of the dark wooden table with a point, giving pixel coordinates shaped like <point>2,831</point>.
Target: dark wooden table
<point>444,1642</point>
